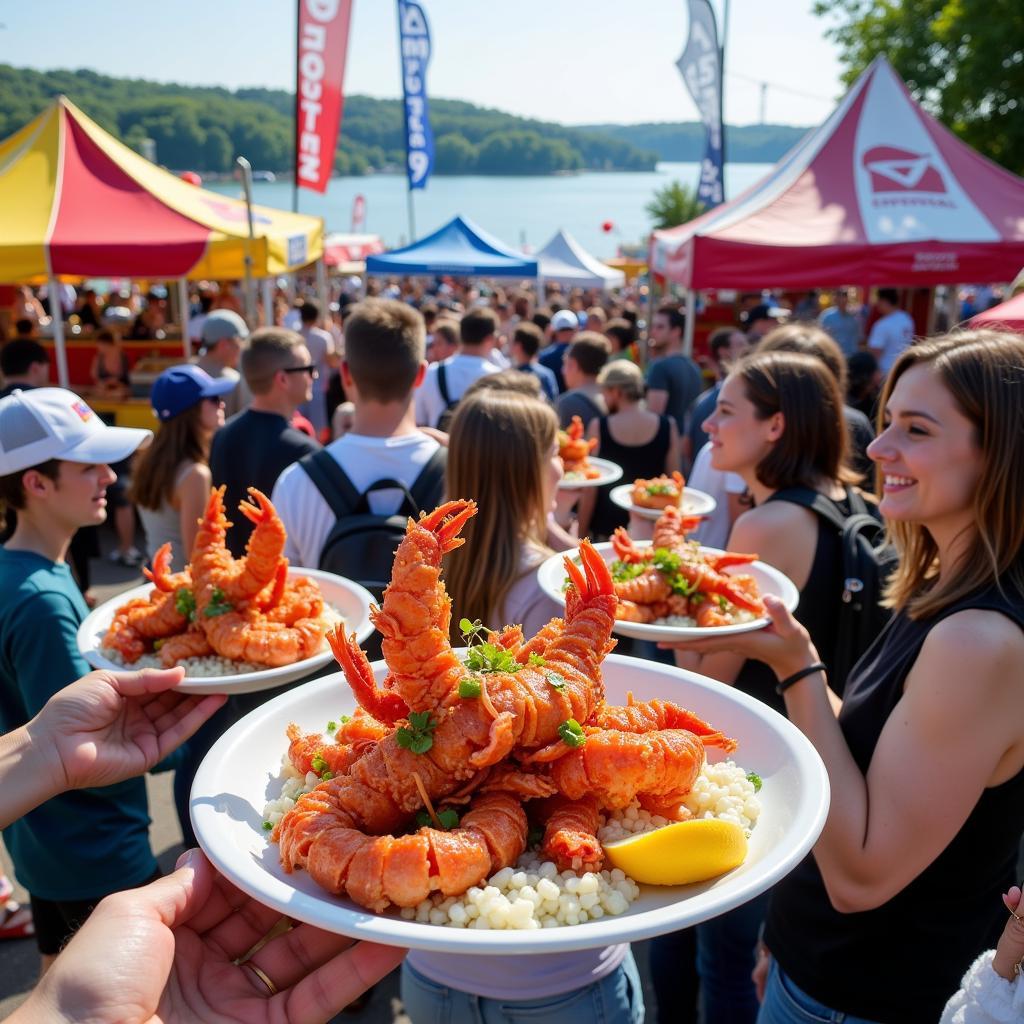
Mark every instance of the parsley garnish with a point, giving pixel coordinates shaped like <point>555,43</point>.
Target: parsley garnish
<point>185,603</point>
<point>345,719</point>
<point>483,656</point>
<point>653,489</point>
<point>536,661</point>
<point>327,775</point>
<point>470,687</point>
<point>267,826</point>
<point>331,726</point>
<point>318,764</point>
<point>572,734</point>
<point>755,780</point>
<point>448,818</point>
<point>418,736</point>
<point>556,679</point>
<point>218,604</point>
<point>622,571</point>
<point>722,602</point>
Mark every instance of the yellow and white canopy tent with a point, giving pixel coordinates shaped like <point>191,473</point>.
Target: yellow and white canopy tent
<point>75,203</point>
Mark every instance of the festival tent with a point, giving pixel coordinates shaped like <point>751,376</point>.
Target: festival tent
<point>564,260</point>
<point>75,202</point>
<point>460,248</point>
<point>1007,314</point>
<point>345,253</point>
<point>880,194</point>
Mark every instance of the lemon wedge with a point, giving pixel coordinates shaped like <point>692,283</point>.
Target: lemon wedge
<point>681,853</point>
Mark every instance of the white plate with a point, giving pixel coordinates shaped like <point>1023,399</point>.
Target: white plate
<point>551,577</point>
<point>695,503</point>
<point>350,599</point>
<point>609,474</point>
<point>239,775</point>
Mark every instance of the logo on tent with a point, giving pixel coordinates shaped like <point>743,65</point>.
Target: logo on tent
<point>902,170</point>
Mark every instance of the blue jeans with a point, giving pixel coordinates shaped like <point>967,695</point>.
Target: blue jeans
<point>615,999</point>
<point>784,1003</point>
<point>725,958</point>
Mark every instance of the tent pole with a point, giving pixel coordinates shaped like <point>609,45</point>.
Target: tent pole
<point>268,301</point>
<point>250,296</point>
<point>412,216</point>
<point>691,316</point>
<point>953,306</point>
<point>186,341</point>
<point>57,319</point>
<point>540,290</point>
<point>322,292</point>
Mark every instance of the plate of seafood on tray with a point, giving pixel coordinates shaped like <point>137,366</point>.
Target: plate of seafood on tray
<point>649,498</point>
<point>581,469</point>
<point>236,625</point>
<point>513,795</point>
<point>671,588</point>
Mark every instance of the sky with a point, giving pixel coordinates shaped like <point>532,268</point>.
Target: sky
<point>570,61</point>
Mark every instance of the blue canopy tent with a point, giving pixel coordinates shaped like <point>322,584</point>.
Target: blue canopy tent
<point>459,247</point>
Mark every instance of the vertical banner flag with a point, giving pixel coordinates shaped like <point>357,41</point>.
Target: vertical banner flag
<point>358,213</point>
<point>700,66</point>
<point>320,71</point>
<point>414,36</point>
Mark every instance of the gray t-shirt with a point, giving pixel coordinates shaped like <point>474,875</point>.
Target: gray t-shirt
<point>679,376</point>
<point>583,402</point>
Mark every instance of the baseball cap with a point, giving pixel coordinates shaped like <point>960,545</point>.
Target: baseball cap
<point>182,387</point>
<point>764,312</point>
<point>223,323</point>
<point>51,423</point>
<point>564,320</point>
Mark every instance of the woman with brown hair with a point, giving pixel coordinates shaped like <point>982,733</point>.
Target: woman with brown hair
<point>504,455</point>
<point>925,755</point>
<point>778,424</point>
<point>171,480</point>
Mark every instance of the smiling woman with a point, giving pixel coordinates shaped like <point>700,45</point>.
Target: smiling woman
<point>926,756</point>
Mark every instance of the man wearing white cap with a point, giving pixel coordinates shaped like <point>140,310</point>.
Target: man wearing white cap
<point>55,456</point>
<point>564,325</point>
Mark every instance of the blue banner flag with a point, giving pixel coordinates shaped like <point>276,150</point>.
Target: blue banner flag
<point>414,44</point>
<point>700,66</point>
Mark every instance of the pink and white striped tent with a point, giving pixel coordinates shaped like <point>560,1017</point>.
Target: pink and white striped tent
<point>880,194</point>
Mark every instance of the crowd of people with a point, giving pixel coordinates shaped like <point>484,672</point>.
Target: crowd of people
<point>797,423</point>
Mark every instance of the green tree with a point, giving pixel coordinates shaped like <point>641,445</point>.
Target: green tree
<point>454,154</point>
<point>673,205</point>
<point>963,59</point>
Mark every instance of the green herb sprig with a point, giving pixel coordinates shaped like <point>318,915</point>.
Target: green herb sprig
<point>418,736</point>
<point>218,605</point>
<point>483,656</point>
<point>755,780</point>
<point>555,679</point>
<point>449,818</point>
<point>185,603</point>
<point>572,734</point>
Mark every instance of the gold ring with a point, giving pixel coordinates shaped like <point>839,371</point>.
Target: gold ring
<point>262,975</point>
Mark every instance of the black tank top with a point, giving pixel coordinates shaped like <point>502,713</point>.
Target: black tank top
<point>818,610</point>
<point>638,462</point>
<point>902,961</point>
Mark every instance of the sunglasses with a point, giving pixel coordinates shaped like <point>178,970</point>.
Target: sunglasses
<point>311,370</point>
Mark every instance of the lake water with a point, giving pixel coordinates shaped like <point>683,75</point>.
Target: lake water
<point>520,211</point>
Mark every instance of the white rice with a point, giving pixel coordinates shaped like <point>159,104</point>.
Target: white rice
<point>737,616</point>
<point>534,894</point>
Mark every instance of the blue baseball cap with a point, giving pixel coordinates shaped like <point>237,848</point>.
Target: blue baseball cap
<point>182,387</point>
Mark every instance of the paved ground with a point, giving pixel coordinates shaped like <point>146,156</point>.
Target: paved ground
<point>19,962</point>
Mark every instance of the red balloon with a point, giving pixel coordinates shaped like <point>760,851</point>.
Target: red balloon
<point>191,177</point>
<point>607,226</point>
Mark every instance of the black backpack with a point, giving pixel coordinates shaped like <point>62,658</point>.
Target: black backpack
<point>867,561</point>
<point>361,545</point>
<point>445,419</point>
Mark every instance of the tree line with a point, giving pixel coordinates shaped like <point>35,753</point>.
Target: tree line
<point>205,128</point>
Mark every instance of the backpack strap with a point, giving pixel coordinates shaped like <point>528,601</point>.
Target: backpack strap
<point>430,480</point>
<point>442,384</point>
<point>815,501</point>
<point>332,482</point>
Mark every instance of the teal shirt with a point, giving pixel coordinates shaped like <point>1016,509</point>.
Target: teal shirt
<point>85,844</point>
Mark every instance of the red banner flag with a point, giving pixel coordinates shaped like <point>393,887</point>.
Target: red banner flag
<point>319,99</point>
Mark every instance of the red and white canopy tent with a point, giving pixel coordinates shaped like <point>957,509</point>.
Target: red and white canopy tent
<point>1009,314</point>
<point>880,194</point>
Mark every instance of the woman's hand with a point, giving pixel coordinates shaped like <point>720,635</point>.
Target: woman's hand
<point>784,645</point>
<point>168,952</point>
<point>111,726</point>
<point>1010,947</point>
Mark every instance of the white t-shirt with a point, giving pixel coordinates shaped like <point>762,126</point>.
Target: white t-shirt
<point>891,335</point>
<point>525,603</point>
<point>714,531</point>
<point>460,371</point>
<point>306,515</point>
